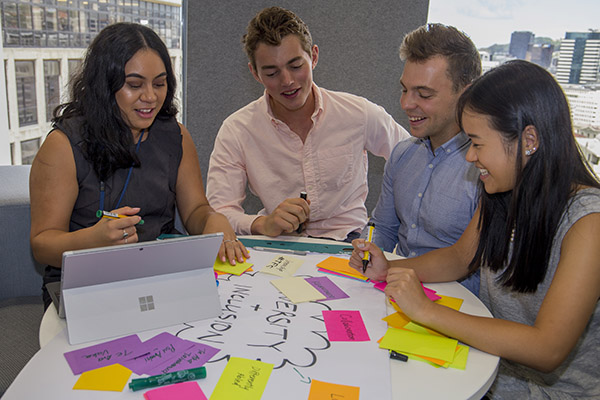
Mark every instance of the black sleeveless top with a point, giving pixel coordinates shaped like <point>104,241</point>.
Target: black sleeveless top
<point>151,186</point>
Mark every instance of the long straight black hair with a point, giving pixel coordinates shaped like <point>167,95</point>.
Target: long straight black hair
<point>107,138</point>
<point>513,96</point>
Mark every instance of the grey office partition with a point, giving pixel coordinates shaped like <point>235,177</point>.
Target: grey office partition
<point>358,53</point>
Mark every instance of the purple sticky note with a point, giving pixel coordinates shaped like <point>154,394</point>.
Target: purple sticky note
<point>327,288</point>
<point>155,351</point>
<point>345,326</point>
<point>103,354</point>
<point>194,357</point>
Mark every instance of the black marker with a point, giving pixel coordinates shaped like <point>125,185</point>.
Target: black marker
<point>302,196</point>
<point>398,356</point>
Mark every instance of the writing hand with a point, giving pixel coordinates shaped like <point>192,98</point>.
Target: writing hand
<point>404,287</point>
<point>378,266</point>
<point>121,230</point>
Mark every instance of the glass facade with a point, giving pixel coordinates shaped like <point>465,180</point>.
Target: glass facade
<point>52,86</point>
<point>74,23</point>
<point>25,79</point>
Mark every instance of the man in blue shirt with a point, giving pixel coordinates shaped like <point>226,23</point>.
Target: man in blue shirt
<point>429,191</point>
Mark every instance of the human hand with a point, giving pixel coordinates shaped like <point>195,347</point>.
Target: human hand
<point>231,248</point>
<point>285,218</point>
<point>122,230</point>
<point>378,266</point>
<point>405,288</point>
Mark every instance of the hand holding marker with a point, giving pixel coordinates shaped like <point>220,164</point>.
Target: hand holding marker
<point>301,226</point>
<point>365,260</point>
<point>110,215</point>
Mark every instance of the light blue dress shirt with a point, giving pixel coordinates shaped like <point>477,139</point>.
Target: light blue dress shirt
<point>427,199</point>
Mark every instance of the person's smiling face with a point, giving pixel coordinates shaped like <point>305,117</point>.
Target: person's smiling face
<point>429,100</point>
<point>495,158</point>
<point>144,92</point>
<point>286,73</point>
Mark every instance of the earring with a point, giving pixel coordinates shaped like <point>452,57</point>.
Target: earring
<point>530,152</point>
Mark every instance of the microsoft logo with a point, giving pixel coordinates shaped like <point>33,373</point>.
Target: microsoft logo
<point>146,303</point>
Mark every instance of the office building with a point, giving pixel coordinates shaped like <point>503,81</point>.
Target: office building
<point>579,58</point>
<point>584,101</point>
<point>519,44</point>
<point>43,43</point>
<point>540,54</point>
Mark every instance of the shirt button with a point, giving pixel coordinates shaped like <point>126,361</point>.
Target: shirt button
<point>420,195</point>
<point>412,253</point>
<point>430,165</point>
<point>413,226</point>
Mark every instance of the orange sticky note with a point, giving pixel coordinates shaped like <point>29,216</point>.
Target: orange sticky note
<point>341,266</point>
<point>323,390</point>
<point>397,320</point>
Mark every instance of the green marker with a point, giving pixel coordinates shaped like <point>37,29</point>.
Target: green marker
<point>110,215</point>
<point>167,379</point>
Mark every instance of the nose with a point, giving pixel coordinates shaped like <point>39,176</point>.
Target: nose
<point>287,78</point>
<point>406,101</point>
<point>471,156</point>
<point>148,94</point>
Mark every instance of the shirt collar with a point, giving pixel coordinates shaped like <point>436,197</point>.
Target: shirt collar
<point>318,104</point>
<point>452,145</point>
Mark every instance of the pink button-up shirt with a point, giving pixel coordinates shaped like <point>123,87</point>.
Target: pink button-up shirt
<point>254,148</point>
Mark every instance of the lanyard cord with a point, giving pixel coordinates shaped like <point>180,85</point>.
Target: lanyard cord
<point>137,146</point>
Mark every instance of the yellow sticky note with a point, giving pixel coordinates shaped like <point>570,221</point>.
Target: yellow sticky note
<point>242,379</point>
<point>414,327</point>
<point>416,343</point>
<point>237,269</point>
<point>341,266</point>
<point>110,378</point>
<point>283,266</point>
<point>451,302</point>
<point>297,289</point>
<point>324,390</point>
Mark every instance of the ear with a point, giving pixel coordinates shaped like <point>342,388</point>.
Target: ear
<point>315,56</point>
<point>254,74</point>
<point>530,141</point>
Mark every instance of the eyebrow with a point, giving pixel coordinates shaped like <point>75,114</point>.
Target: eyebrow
<point>473,135</point>
<point>427,88</point>
<point>293,60</point>
<point>135,75</point>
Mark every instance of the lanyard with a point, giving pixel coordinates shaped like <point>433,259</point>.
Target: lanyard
<point>137,146</point>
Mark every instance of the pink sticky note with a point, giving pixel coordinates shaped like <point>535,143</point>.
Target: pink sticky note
<point>430,293</point>
<point>345,326</point>
<point>179,391</point>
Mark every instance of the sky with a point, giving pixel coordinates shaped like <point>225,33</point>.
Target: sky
<point>490,22</point>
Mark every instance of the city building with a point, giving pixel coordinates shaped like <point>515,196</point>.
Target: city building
<point>579,58</point>
<point>519,43</point>
<point>43,43</point>
<point>584,101</point>
<point>540,54</point>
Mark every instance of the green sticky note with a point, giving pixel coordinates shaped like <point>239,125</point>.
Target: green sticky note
<point>242,379</point>
<point>420,344</point>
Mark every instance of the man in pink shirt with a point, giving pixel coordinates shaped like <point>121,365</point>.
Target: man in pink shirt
<point>296,138</point>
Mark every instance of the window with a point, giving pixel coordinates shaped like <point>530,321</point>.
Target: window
<point>26,97</point>
<point>28,150</point>
<point>73,67</point>
<point>51,85</point>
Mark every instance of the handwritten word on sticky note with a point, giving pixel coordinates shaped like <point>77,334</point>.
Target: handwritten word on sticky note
<point>110,378</point>
<point>345,326</point>
<point>103,354</point>
<point>284,266</point>
<point>179,391</point>
<point>329,289</point>
<point>324,390</point>
<point>156,351</point>
<point>242,379</point>
<point>193,357</point>
<point>297,289</point>
<point>237,269</point>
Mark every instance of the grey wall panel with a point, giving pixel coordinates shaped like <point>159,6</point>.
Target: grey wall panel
<point>358,43</point>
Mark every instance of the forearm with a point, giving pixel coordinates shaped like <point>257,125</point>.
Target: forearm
<point>441,265</point>
<point>510,340</point>
<point>48,246</point>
